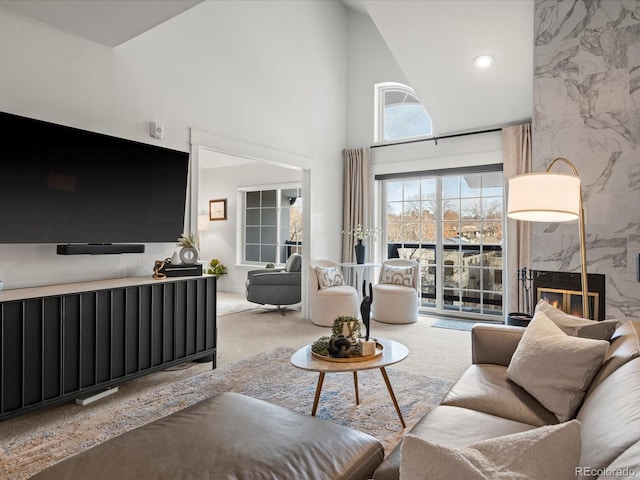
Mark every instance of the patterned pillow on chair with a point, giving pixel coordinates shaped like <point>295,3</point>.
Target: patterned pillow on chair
<point>329,277</point>
<point>397,275</point>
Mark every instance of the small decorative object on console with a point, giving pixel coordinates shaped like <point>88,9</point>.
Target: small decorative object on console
<point>188,252</point>
<point>164,268</point>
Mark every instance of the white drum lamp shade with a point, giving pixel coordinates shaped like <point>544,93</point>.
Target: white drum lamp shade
<point>552,197</point>
<point>544,197</point>
<point>203,222</point>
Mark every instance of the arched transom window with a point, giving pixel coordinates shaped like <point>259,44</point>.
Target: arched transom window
<point>399,113</point>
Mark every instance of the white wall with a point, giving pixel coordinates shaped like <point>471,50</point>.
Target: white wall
<point>370,62</point>
<point>220,240</point>
<point>269,73</point>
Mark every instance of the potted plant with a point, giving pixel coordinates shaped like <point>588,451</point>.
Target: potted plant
<point>347,326</point>
<point>216,268</point>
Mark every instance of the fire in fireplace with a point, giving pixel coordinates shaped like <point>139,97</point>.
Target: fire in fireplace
<point>563,290</point>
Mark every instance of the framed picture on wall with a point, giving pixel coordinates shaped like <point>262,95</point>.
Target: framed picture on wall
<point>218,209</point>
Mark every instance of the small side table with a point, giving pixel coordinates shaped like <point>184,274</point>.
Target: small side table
<point>392,352</point>
<point>361,271</point>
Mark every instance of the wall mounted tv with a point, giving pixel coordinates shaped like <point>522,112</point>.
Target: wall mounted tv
<point>64,185</point>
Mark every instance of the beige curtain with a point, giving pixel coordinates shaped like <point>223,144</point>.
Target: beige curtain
<point>357,197</point>
<point>516,145</point>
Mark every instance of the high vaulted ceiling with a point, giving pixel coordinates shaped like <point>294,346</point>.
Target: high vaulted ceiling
<point>110,22</point>
<point>433,41</point>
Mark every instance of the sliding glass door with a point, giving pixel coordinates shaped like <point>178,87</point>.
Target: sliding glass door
<point>453,225</point>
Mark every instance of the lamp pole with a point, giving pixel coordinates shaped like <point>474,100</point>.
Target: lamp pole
<point>583,243</point>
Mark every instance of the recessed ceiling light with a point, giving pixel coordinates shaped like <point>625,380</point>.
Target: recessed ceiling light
<point>483,61</point>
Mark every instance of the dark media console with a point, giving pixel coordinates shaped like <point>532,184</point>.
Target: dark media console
<point>99,248</point>
<point>65,341</point>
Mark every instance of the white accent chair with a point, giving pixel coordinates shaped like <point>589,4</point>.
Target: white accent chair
<point>396,303</point>
<point>330,303</point>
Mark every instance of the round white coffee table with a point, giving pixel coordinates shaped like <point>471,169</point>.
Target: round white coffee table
<point>392,352</point>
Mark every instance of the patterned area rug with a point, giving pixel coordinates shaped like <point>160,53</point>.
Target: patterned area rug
<point>35,441</point>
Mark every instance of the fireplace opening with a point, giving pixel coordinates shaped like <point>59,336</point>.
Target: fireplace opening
<point>563,290</point>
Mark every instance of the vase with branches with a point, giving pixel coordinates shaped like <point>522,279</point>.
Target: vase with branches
<point>361,233</point>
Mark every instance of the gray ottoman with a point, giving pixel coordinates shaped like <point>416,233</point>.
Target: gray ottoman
<point>229,436</point>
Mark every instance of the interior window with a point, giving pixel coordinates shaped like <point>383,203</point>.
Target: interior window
<point>399,113</point>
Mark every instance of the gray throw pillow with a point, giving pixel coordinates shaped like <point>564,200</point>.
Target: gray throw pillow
<point>544,453</point>
<point>576,326</point>
<point>555,368</point>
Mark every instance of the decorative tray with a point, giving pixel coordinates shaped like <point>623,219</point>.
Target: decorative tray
<point>359,358</point>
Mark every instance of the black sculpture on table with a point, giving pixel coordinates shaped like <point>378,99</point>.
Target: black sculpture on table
<point>365,306</point>
<point>339,347</point>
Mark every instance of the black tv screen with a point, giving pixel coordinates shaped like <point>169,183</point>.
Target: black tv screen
<point>64,185</point>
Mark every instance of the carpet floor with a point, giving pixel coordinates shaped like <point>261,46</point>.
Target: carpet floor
<point>31,443</point>
<point>464,325</point>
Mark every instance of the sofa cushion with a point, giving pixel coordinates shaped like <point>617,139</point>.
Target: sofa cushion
<point>228,436</point>
<point>329,277</point>
<point>451,426</point>
<point>550,452</point>
<point>625,346</point>
<point>610,417</point>
<point>625,467</point>
<point>397,275</point>
<point>485,388</point>
<point>576,326</point>
<point>392,289</point>
<point>554,367</point>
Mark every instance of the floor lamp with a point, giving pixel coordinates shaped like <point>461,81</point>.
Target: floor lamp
<point>551,197</point>
<point>203,224</point>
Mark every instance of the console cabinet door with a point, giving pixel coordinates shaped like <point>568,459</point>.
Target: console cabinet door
<point>60,347</point>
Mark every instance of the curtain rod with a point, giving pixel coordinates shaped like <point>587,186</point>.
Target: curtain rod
<point>436,138</point>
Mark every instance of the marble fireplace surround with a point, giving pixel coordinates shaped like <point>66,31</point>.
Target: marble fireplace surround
<point>587,109</point>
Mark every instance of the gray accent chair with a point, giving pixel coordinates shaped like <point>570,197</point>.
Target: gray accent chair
<point>276,286</point>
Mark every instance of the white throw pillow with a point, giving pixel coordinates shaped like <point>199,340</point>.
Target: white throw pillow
<point>329,277</point>
<point>555,368</point>
<point>576,326</point>
<point>544,453</point>
<point>397,275</point>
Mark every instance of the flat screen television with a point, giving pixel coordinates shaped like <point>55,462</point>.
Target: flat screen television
<point>64,185</point>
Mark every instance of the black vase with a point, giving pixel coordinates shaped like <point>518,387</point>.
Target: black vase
<point>359,248</point>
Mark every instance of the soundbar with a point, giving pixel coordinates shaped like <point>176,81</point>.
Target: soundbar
<point>100,248</point>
